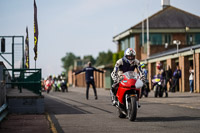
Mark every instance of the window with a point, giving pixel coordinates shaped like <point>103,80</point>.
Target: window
<point>190,39</point>
<point>156,39</point>
<point>167,38</point>
<point>132,42</point>
<point>124,44</point>
<point>197,38</point>
<point>145,39</point>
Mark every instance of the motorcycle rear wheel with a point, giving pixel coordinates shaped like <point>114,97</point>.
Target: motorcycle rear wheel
<point>132,109</point>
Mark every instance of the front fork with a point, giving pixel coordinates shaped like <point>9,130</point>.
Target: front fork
<point>127,97</point>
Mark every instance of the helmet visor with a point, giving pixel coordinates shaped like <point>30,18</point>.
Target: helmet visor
<point>130,57</point>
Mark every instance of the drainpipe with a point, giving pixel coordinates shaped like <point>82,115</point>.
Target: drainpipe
<point>194,69</point>
<point>148,52</point>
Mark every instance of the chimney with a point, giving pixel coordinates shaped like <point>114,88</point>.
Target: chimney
<point>165,3</point>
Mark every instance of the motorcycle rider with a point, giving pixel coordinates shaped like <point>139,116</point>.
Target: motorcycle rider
<point>127,63</point>
<point>162,74</point>
<point>145,87</point>
<point>64,86</point>
<point>144,70</point>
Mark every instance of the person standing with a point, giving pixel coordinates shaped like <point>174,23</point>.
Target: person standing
<point>191,79</point>
<point>169,77</point>
<point>89,77</point>
<point>176,77</point>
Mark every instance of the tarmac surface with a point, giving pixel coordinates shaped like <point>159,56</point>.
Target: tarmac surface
<point>25,124</point>
<point>42,123</point>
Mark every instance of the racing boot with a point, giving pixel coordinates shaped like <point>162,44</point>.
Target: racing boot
<point>113,97</point>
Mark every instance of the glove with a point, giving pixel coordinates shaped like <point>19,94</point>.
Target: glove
<point>121,78</point>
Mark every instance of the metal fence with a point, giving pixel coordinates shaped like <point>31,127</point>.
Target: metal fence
<point>2,93</point>
<point>25,78</point>
<point>3,104</point>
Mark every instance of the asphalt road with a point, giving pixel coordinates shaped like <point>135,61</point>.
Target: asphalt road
<point>72,113</point>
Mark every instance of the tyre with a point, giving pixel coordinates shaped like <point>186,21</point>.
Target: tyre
<point>160,91</point>
<point>120,114</point>
<point>132,109</point>
<point>156,91</point>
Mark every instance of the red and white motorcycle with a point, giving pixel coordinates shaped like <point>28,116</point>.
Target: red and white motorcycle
<point>128,95</point>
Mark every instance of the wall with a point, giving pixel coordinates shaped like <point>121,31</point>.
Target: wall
<point>70,77</point>
<point>137,46</point>
<point>79,80</point>
<point>180,37</point>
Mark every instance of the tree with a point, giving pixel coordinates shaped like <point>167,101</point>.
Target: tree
<point>90,58</point>
<point>104,58</point>
<point>68,60</point>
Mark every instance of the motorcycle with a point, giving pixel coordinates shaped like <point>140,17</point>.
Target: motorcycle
<point>64,86</point>
<point>128,95</point>
<point>145,89</point>
<point>157,86</point>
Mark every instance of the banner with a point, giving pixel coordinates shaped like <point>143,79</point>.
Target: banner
<point>27,49</point>
<point>35,31</point>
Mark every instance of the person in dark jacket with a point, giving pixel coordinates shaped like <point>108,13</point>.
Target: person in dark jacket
<point>169,77</point>
<point>89,77</point>
<point>176,77</point>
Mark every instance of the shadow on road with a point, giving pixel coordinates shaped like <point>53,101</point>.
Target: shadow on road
<point>167,119</point>
<point>59,107</point>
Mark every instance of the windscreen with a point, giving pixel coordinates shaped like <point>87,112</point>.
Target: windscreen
<point>131,75</point>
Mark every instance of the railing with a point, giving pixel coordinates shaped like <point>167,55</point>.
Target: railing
<point>3,104</point>
<point>25,78</point>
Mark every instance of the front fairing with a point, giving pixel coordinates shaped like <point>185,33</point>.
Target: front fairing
<point>127,85</point>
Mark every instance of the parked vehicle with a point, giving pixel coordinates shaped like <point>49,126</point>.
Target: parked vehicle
<point>128,95</point>
<point>157,86</point>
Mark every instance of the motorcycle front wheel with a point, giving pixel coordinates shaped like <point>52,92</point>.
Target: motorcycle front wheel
<point>132,108</point>
<point>160,91</point>
<point>155,91</point>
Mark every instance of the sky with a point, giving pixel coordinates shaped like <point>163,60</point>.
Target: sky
<point>83,27</point>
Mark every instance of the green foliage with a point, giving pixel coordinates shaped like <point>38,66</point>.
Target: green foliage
<point>104,58</point>
<point>121,54</point>
<point>68,60</point>
<point>117,56</point>
<point>90,58</point>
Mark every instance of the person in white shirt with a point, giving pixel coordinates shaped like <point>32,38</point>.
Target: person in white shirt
<point>191,79</point>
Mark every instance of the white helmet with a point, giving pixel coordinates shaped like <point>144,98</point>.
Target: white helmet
<point>129,55</point>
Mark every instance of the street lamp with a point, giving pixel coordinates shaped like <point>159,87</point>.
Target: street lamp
<point>177,42</point>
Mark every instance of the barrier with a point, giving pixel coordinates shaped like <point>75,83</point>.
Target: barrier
<point>25,78</point>
<point>3,104</point>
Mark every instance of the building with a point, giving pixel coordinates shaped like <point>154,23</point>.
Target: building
<point>170,36</point>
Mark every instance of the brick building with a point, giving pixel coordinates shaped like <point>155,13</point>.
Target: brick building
<point>166,26</point>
